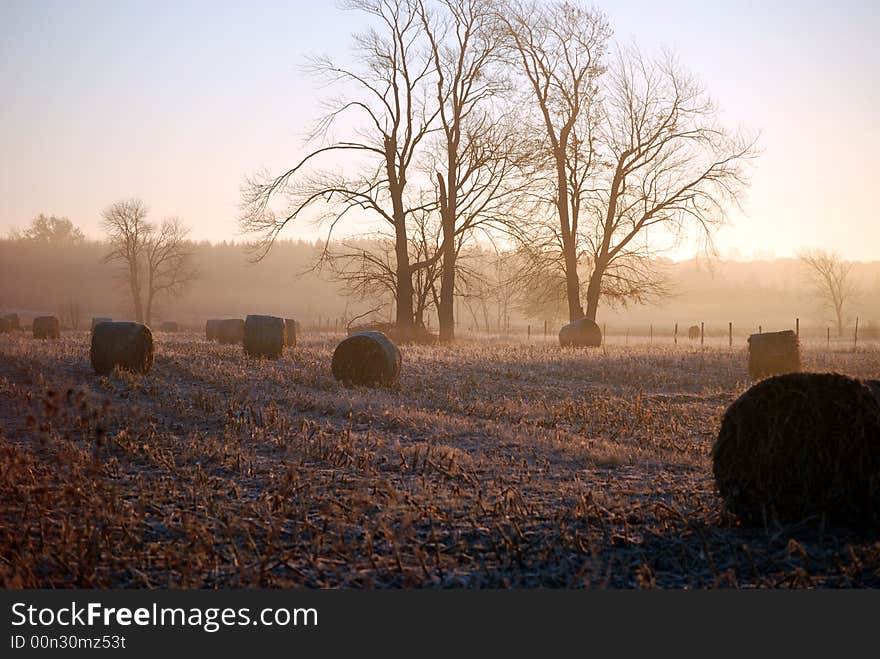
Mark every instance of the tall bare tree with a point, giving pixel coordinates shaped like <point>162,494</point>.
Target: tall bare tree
<point>832,282</point>
<point>558,48</point>
<point>479,160</point>
<point>388,98</point>
<point>153,261</point>
<point>671,167</point>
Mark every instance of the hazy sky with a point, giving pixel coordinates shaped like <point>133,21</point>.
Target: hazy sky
<point>176,102</point>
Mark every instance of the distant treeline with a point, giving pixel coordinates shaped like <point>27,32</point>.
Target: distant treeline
<point>40,279</point>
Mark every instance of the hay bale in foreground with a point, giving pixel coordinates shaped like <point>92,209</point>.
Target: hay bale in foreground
<point>212,329</point>
<point>264,336</point>
<point>580,333</point>
<point>169,326</point>
<point>366,358</point>
<point>124,344</point>
<point>694,332</point>
<point>290,332</point>
<point>13,321</point>
<point>95,321</point>
<point>46,327</point>
<point>801,445</point>
<point>773,353</point>
<point>230,331</point>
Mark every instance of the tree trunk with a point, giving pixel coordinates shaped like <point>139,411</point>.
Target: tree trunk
<point>594,291</point>
<point>446,307</point>
<point>569,245</point>
<point>134,282</point>
<point>404,319</point>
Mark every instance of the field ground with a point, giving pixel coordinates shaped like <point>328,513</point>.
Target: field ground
<point>491,465</point>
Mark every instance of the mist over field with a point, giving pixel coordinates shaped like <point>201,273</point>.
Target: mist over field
<point>39,279</point>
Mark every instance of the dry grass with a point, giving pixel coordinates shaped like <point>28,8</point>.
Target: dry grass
<point>489,465</point>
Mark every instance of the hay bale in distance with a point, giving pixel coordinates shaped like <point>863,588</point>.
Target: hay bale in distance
<point>264,336</point>
<point>580,333</point>
<point>694,332</point>
<point>773,353</point>
<point>5,326</point>
<point>212,329</point>
<point>46,327</point>
<point>801,445</point>
<point>124,344</point>
<point>97,320</point>
<point>169,326</point>
<point>14,322</point>
<point>366,358</point>
<point>230,331</point>
<point>290,332</point>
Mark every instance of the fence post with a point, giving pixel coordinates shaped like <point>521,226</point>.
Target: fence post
<point>828,339</point>
<point>856,336</point>
<point>797,327</point>
<point>529,332</point>
<point>702,333</point>
<point>760,330</point>
<point>545,329</point>
<point>730,335</point>
<point>675,334</point>
<point>651,340</point>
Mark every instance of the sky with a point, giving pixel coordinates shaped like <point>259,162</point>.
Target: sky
<point>176,102</point>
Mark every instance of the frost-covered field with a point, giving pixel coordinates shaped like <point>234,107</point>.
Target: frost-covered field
<point>490,465</point>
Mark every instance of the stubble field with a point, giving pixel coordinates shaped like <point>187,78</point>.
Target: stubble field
<point>490,465</point>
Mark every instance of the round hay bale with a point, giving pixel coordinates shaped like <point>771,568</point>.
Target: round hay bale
<point>97,320</point>
<point>801,445</point>
<point>580,333</point>
<point>366,358</point>
<point>46,327</point>
<point>290,332</point>
<point>230,331</point>
<point>169,326</point>
<point>212,329</point>
<point>694,332</point>
<point>264,336</point>
<point>14,322</point>
<point>5,326</point>
<point>774,353</point>
<point>124,344</point>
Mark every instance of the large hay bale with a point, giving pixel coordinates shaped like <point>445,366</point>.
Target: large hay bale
<point>801,445</point>
<point>580,333</point>
<point>230,331</point>
<point>212,329</point>
<point>46,327</point>
<point>5,326</point>
<point>14,322</point>
<point>124,344</point>
<point>290,332</point>
<point>97,320</point>
<point>169,326</point>
<point>773,353</point>
<point>264,336</point>
<point>366,358</point>
<point>694,332</point>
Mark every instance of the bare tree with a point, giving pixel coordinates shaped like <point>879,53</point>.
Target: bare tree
<point>128,232</point>
<point>153,262</point>
<point>479,160</point>
<point>670,167</point>
<point>389,99</point>
<point>558,49</point>
<point>831,279</point>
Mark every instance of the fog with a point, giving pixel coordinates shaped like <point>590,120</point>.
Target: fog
<point>40,279</point>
